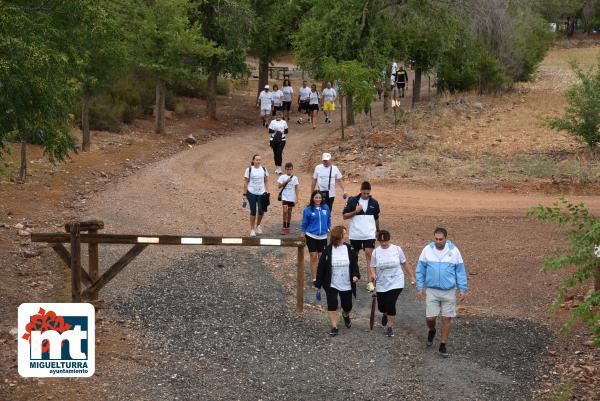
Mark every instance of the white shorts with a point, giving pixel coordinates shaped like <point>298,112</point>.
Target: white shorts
<point>265,112</point>
<point>440,301</point>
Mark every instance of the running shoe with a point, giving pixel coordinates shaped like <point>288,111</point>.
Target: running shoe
<point>430,337</point>
<point>384,320</point>
<point>443,352</point>
<point>347,320</point>
<point>288,230</point>
<point>389,332</point>
<point>283,231</point>
<point>318,296</point>
<point>252,233</point>
<point>333,332</point>
<point>258,230</point>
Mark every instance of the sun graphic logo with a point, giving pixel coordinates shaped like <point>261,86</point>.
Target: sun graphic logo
<point>56,340</point>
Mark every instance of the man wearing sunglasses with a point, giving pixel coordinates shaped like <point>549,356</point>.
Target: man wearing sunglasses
<point>363,212</point>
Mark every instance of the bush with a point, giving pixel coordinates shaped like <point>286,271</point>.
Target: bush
<point>195,86</point>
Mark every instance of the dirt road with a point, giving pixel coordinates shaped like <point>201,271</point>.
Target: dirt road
<point>497,347</point>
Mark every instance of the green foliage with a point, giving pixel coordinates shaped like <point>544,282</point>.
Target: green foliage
<point>427,31</point>
<point>532,40</point>
<point>195,86</point>
<point>583,237</point>
<point>38,67</point>
<point>355,81</point>
<point>582,116</point>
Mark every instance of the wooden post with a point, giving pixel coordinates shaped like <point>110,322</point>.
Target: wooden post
<point>93,262</point>
<point>75,263</point>
<point>413,95</point>
<point>300,280</point>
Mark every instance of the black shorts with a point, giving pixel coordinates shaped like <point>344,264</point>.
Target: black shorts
<point>315,245</point>
<point>332,299</point>
<point>287,106</point>
<point>276,109</point>
<point>288,203</point>
<point>386,301</point>
<point>313,107</point>
<point>358,244</point>
<point>303,105</point>
<point>401,84</point>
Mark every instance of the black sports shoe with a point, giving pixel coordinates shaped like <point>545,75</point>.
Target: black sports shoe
<point>430,336</point>
<point>347,320</point>
<point>443,351</point>
<point>333,332</point>
<point>384,320</point>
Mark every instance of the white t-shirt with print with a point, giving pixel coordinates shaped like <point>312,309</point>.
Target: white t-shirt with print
<point>280,125</point>
<point>277,97</point>
<point>329,94</point>
<point>304,93</point>
<point>321,174</point>
<point>289,191</point>
<point>314,98</point>
<point>265,100</point>
<point>340,268</point>
<point>288,91</point>
<point>256,183</point>
<point>389,271</point>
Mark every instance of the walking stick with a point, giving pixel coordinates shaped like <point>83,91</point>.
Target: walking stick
<point>373,304</point>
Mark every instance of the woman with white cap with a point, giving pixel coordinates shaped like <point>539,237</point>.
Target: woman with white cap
<point>265,103</point>
<point>325,178</point>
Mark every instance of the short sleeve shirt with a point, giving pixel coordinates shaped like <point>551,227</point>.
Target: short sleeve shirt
<point>304,93</point>
<point>314,98</point>
<point>388,266</point>
<point>288,91</point>
<point>321,174</point>
<point>265,100</point>
<point>340,268</point>
<point>329,94</point>
<point>289,191</point>
<point>256,182</point>
<point>277,95</point>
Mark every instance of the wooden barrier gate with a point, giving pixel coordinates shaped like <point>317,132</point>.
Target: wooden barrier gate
<point>95,283</point>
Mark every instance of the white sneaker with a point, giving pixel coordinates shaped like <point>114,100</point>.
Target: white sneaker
<point>252,233</point>
<point>258,230</point>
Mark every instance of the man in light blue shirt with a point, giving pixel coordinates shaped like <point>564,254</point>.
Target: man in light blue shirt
<point>440,271</point>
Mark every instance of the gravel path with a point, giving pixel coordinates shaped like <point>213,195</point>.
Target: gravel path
<point>227,330</point>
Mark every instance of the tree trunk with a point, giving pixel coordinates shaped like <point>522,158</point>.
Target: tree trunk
<point>85,121</point>
<point>342,114</point>
<point>263,74</point>
<point>349,111</point>
<point>159,107</point>
<point>23,169</point>
<point>211,90</point>
<point>417,85</point>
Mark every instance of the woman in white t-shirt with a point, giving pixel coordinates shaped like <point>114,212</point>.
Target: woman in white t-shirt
<point>387,268</point>
<point>277,96</point>
<point>314,98</point>
<point>288,92</point>
<point>256,184</point>
<point>288,187</point>
<point>337,274</point>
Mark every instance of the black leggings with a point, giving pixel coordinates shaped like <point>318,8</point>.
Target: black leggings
<point>278,152</point>
<point>386,301</point>
<point>332,299</point>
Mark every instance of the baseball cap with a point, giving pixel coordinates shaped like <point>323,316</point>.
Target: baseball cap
<point>266,86</point>
<point>326,156</point>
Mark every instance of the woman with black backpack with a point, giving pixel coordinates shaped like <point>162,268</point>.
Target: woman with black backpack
<point>278,129</point>
<point>337,274</point>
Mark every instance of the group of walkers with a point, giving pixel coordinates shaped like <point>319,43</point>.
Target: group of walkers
<point>310,101</point>
<point>334,261</point>
<point>333,251</point>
